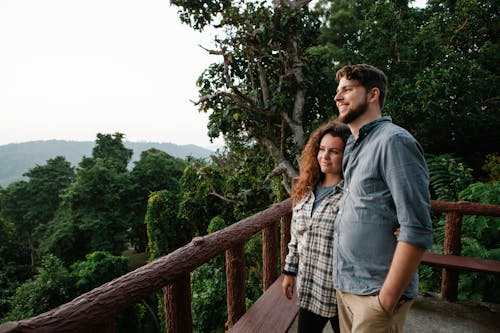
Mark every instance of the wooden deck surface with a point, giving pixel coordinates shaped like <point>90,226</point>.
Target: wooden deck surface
<point>271,313</point>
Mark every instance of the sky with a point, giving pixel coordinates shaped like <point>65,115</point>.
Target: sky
<point>70,69</point>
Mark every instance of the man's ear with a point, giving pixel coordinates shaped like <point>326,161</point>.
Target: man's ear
<point>374,95</point>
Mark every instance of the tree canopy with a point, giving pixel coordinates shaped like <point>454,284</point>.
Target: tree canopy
<point>274,81</point>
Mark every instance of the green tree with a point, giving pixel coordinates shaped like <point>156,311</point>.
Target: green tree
<point>209,290</point>
<point>109,147</point>
<point>216,193</point>
<point>15,264</point>
<point>46,184</point>
<point>155,171</point>
<point>50,288</point>
<point>54,284</point>
<point>15,206</point>
<point>93,209</point>
<point>233,185</point>
<point>492,167</point>
<point>98,268</point>
<point>267,90</point>
<point>275,79</point>
<point>442,82</point>
<point>31,204</point>
<point>166,232</point>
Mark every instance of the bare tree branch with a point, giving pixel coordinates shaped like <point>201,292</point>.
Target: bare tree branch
<point>223,198</point>
<point>288,168</point>
<point>213,191</point>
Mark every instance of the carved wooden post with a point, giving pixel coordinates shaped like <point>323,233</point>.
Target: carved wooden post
<point>452,245</point>
<point>286,222</point>
<point>270,255</point>
<point>235,282</point>
<point>177,299</point>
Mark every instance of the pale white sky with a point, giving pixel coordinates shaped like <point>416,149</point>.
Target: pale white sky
<point>70,69</point>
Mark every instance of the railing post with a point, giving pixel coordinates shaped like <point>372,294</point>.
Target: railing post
<point>269,255</point>
<point>452,245</point>
<point>235,283</point>
<point>286,222</point>
<point>177,299</point>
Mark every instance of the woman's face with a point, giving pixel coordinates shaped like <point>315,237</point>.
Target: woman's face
<point>330,153</point>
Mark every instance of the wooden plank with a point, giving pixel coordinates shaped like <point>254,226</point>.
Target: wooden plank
<point>271,313</point>
<point>461,262</point>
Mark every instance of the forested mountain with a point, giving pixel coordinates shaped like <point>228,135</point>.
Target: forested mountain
<point>17,158</point>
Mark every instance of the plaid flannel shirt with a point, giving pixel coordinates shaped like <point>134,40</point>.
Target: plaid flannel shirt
<point>310,253</point>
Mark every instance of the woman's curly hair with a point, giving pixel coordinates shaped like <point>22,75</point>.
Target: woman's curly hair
<point>310,172</point>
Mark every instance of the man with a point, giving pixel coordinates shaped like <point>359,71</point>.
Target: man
<point>387,187</point>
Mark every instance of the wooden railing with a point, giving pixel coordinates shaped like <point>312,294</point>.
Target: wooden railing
<point>453,246</point>
<point>95,311</point>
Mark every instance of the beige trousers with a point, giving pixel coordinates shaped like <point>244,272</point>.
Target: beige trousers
<point>364,314</point>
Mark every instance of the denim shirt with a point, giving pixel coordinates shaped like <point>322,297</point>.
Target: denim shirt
<point>387,187</point>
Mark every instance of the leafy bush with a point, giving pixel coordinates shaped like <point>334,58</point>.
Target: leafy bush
<point>209,290</point>
<point>54,284</point>
<point>51,287</point>
<point>492,167</point>
<point>448,176</point>
<point>480,239</point>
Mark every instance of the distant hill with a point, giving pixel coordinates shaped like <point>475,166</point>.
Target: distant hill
<point>18,158</point>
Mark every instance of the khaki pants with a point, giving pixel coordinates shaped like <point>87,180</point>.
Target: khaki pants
<point>363,314</point>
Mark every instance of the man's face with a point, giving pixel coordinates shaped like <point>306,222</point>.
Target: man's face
<point>351,100</point>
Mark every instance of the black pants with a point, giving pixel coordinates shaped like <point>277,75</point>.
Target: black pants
<point>310,322</point>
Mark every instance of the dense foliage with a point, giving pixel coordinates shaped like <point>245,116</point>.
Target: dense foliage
<point>63,230</point>
<point>443,84</point>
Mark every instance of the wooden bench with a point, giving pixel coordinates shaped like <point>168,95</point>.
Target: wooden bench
<point>461,263</point>
<point>271,313</point>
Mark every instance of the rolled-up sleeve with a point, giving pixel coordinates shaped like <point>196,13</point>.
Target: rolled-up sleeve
<point>407,178</point>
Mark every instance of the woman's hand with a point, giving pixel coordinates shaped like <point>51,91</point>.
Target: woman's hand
<point>288,285</point>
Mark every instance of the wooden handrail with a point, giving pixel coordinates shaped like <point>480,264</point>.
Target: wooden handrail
<point>93,310</point>
<point>465,208</point>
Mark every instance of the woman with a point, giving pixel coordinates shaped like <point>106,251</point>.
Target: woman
<point>315,195</point>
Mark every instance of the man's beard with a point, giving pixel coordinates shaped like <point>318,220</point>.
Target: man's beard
<point>352,115</point>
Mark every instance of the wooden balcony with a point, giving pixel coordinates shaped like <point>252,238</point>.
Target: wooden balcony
<point>95,310</point>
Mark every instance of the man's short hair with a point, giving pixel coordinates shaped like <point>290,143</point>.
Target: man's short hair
<point>368,76</point>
